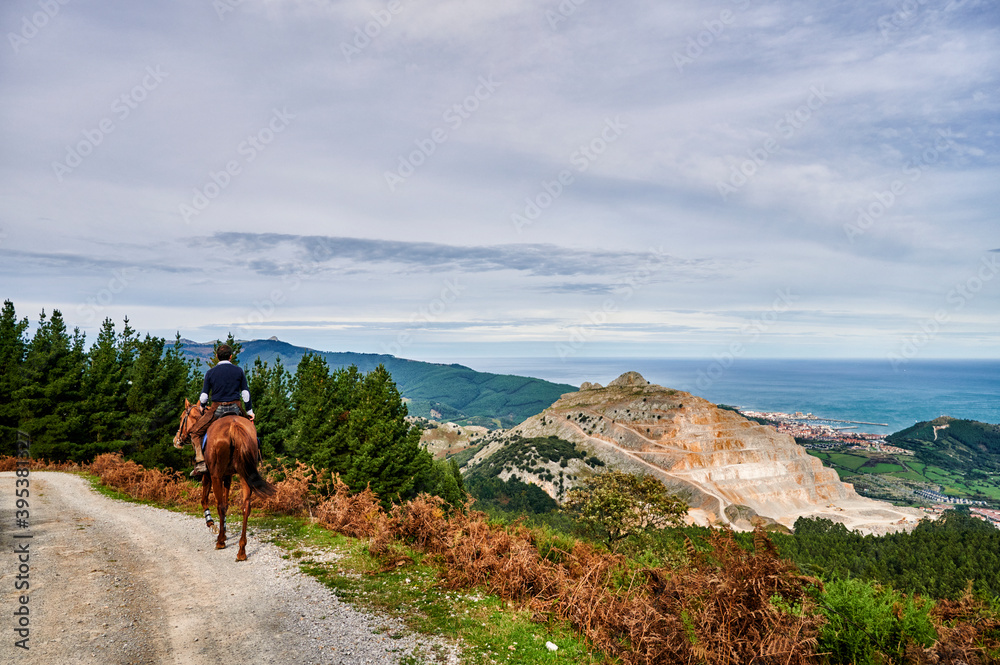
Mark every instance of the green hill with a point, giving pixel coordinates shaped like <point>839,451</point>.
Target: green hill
<point>953,444</point>
<point>958,458</point>
<point>453,392</point>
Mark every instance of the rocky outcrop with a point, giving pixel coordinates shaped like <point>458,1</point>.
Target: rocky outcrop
<point>628,379</point>
<point>715,458</point>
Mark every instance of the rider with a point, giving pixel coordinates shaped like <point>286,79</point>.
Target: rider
<point>226,383</point>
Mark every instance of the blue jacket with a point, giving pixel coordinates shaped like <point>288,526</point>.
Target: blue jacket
<point>226,382</point>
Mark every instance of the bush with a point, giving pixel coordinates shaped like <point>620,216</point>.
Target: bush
<point>867,623</point>
<point>616,505</point>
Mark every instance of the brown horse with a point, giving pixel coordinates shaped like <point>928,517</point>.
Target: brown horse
<point>231,449</point>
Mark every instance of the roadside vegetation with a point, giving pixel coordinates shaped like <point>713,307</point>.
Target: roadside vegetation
<point>667,595</point>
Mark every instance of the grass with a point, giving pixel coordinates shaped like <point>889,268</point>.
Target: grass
<point>487,626</point>
<point>991,491</point>
<point>909,475</point>
<point>851,464</point>
<point>883,467</point>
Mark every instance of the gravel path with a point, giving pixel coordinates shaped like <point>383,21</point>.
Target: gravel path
<point>115,582</point>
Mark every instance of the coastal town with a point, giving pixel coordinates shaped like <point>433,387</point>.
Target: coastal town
<point>815,432</point>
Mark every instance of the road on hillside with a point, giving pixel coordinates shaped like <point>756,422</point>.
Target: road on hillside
<point>113,583</point>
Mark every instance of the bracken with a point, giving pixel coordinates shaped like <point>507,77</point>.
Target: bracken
<point>718,609</point>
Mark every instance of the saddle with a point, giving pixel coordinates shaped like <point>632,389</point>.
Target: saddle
<point>228,410</point>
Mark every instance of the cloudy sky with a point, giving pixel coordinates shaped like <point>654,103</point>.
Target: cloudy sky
<point>451,179</point>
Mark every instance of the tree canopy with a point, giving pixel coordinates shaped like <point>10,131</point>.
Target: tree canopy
<point>126,393</point>
<point>615,505</point>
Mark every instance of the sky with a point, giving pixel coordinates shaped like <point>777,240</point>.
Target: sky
<point>453,179</point>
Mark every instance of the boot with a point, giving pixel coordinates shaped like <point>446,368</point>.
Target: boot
<point>199,458</point>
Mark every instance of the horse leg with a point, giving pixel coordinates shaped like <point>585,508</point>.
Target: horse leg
<point>222,496</point>
<point>245,489</point>
<point>206,488</point>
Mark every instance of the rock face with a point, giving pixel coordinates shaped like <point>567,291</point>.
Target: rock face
<point>715,458</point>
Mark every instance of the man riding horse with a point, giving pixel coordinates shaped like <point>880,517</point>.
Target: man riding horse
<point>226,383</point>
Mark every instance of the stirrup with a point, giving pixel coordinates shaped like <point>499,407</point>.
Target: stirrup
<point>199,470</point>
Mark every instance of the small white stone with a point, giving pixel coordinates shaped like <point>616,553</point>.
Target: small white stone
<point>551,646</point>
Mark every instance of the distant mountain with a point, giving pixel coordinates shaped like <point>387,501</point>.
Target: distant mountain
<point>442,392</point>
<point>953,444</point>
<point>729,470</point>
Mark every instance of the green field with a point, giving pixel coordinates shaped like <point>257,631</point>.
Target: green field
<point>882,467</point>
<point>874,472</point>
<point>845,460</point>
<point>910,475</point>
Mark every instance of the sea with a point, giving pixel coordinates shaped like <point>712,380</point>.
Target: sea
<point>869,391</point>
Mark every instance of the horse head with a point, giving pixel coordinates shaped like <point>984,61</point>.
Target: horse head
<point>188,418</point>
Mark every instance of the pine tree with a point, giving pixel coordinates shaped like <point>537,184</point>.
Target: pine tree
<point>13,347</point>
<point>314,428</point>
<point>159,382</point>
<point>444,479</point>
<point>233,344</point>
<point>270,390</point>
<point>49,397</point>
<point>385,448</point>
<point>105,386</point>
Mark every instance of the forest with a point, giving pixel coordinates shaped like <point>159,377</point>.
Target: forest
<point>125,393</point>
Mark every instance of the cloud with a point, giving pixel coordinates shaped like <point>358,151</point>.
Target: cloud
<point>18,260</point>
<point>540,260</point>
<point>307,235</point>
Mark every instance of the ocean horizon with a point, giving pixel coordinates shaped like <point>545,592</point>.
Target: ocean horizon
<point>868,390</point>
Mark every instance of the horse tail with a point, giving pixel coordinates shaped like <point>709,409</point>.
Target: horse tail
<point>246,457</point>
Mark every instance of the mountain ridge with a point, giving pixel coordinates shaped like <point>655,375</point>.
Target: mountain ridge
<point>440,391</point>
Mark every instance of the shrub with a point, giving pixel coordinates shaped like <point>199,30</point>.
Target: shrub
<point>868,623</point>
<point>616,505</point>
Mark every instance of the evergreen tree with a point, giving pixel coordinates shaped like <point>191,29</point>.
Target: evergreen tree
<point>270,390</point>
<point>233,344</point>
<point>314,429</point>
<point>159,382</point>
<point>385,449</point>
<point>105,385</point>
<point>13,347</point>
<point>49,397</point>
<point>444,479</point>
<point>938,558</point>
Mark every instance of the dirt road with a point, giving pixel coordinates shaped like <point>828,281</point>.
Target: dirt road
<point>114,582</point>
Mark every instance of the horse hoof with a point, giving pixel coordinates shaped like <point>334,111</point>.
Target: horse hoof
<point>213,528</point>
<point>241,557</point>
<point>220,546</point>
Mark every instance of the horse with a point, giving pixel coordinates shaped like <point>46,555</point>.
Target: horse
<point>231,449</point>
